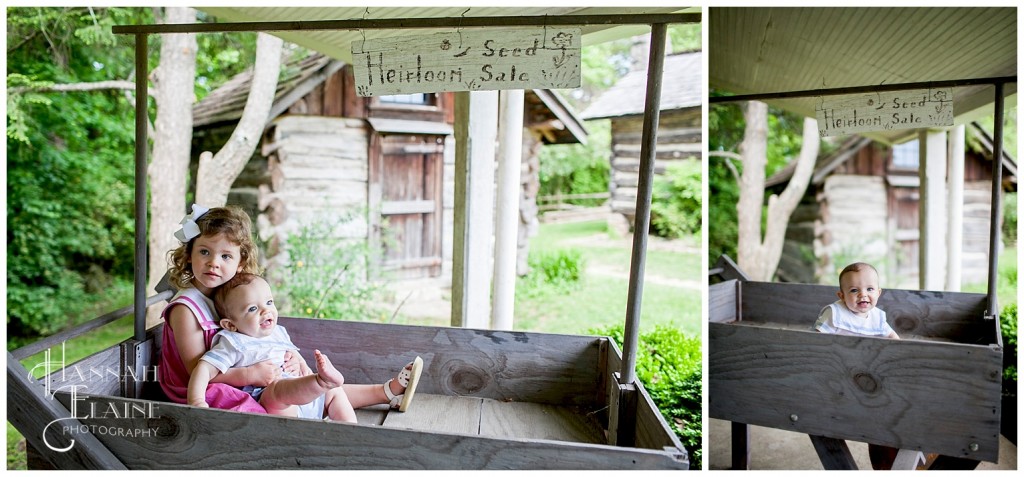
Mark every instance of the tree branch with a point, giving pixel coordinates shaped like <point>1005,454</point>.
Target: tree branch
<point>728,155</point>
<point>94,86</point>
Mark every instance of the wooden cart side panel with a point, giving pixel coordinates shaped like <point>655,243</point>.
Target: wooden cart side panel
<point>652,431</point>
<point>183,437</point>
<point>99,373</point>
<point>723,301</point>
<point>955,316</point>
<point>934,397</point>
<point>533,367</point>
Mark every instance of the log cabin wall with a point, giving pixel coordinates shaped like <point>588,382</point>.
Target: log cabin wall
<point>679,138</point>
<point>867,209</point>
<point>317,161</point>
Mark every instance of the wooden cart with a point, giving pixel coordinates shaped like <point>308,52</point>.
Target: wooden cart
<point>936,390</point>
<point>486,400</point>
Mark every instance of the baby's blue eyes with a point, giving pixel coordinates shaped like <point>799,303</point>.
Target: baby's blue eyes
<point>252,309</point>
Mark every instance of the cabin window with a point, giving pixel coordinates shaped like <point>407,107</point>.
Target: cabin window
<point>906,155</point>
<point>415,98</point>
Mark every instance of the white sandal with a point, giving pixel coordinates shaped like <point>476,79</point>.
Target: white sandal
<point>409,377</point>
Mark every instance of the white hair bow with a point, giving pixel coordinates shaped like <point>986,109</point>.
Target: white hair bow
<point>189,228</point>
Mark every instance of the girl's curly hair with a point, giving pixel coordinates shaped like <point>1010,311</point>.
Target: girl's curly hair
<point>236,226</point>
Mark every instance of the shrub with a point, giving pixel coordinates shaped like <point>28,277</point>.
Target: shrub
<point>327,276</point>
<point>1008,327</point>
<point>668,363</point>
<point>676,200</point>
<point>578,168</point>
<point>1010,218</point>
<point>558,271</point>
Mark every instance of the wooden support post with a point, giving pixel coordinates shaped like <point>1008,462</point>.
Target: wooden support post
<point>622,413</point>
<point>141,190</point>
<point>996,211</point>
<point>740,446</point>
<point>506,234</point>
<point>931,267</point>
<point>475,133</point>
<point>135,360</point>
<point>42,420</point>
<point>834,453</point>
<point>955,214</point>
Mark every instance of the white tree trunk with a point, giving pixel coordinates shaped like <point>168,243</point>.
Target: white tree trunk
<point>218,171</point>
<point>758,258</point>
<point>172,142</point>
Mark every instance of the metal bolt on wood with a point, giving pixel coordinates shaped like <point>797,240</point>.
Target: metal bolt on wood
<point>794,417</point>
<point>974,447</point>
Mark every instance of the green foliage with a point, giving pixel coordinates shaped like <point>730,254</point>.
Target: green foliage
<point>684,37</point>
<point>70,204</point>
<point>676,200</point>
<point>668,363</point>
<point>578,168</point>
<point>1008,328</point>
<point>1010,218</point>
<point>325,279</point>
<point>556,271</point>
<point>70,201</point>
<point>725,133</point>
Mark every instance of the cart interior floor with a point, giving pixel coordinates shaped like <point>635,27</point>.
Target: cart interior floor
<point>488,417</point>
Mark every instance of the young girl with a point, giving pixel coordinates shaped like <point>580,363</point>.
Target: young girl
<point>217,244</point>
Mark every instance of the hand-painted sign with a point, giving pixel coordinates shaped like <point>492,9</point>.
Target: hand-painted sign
<point>468,60</point>
<point>909,109</point>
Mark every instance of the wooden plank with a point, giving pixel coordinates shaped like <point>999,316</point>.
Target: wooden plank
<point>534,367</point>
<point>722,302</point>
<point>469,59</point>
<point>372,415</point>
<point>434,413</point>
<point>185,437</point>
<point>884,110</point>
<point>955,316</point>
<point>928,396</point>
<point>833,453</point>
<point>99,373</point>
<point>652,430</point>
<point>527,420</point>
<point>39,417</point>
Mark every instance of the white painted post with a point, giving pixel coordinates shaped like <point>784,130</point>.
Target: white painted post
<point>954,232</point>
<point>475,132</point>
<point>932,209</point>
<point>510,157</point>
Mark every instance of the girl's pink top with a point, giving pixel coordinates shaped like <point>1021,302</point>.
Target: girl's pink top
<point>174,376</point>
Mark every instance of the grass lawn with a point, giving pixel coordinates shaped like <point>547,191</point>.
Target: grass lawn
<point>671,291</point>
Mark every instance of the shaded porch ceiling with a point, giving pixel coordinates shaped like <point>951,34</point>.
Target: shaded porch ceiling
<point>338,43</point>
<point>768,50</point>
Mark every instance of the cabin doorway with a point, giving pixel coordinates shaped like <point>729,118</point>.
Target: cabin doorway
<point>405,181</point>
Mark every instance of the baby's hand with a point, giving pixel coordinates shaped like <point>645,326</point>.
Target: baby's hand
<point>295,365</point>
<point>263,373</point>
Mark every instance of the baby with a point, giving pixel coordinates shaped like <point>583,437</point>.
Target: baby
<point>251,334</point>
<point>855,313</point>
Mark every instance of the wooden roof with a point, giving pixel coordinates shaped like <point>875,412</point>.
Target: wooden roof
<point>682,87</point>
<point>545,109</point>
<point>825,164</point>
<point>770,50</point>
<point>225,104</point>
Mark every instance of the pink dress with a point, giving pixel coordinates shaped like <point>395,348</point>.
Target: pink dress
<point>174,376</point>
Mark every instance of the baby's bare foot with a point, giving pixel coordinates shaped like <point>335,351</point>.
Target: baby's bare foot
<point>328,376</point>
